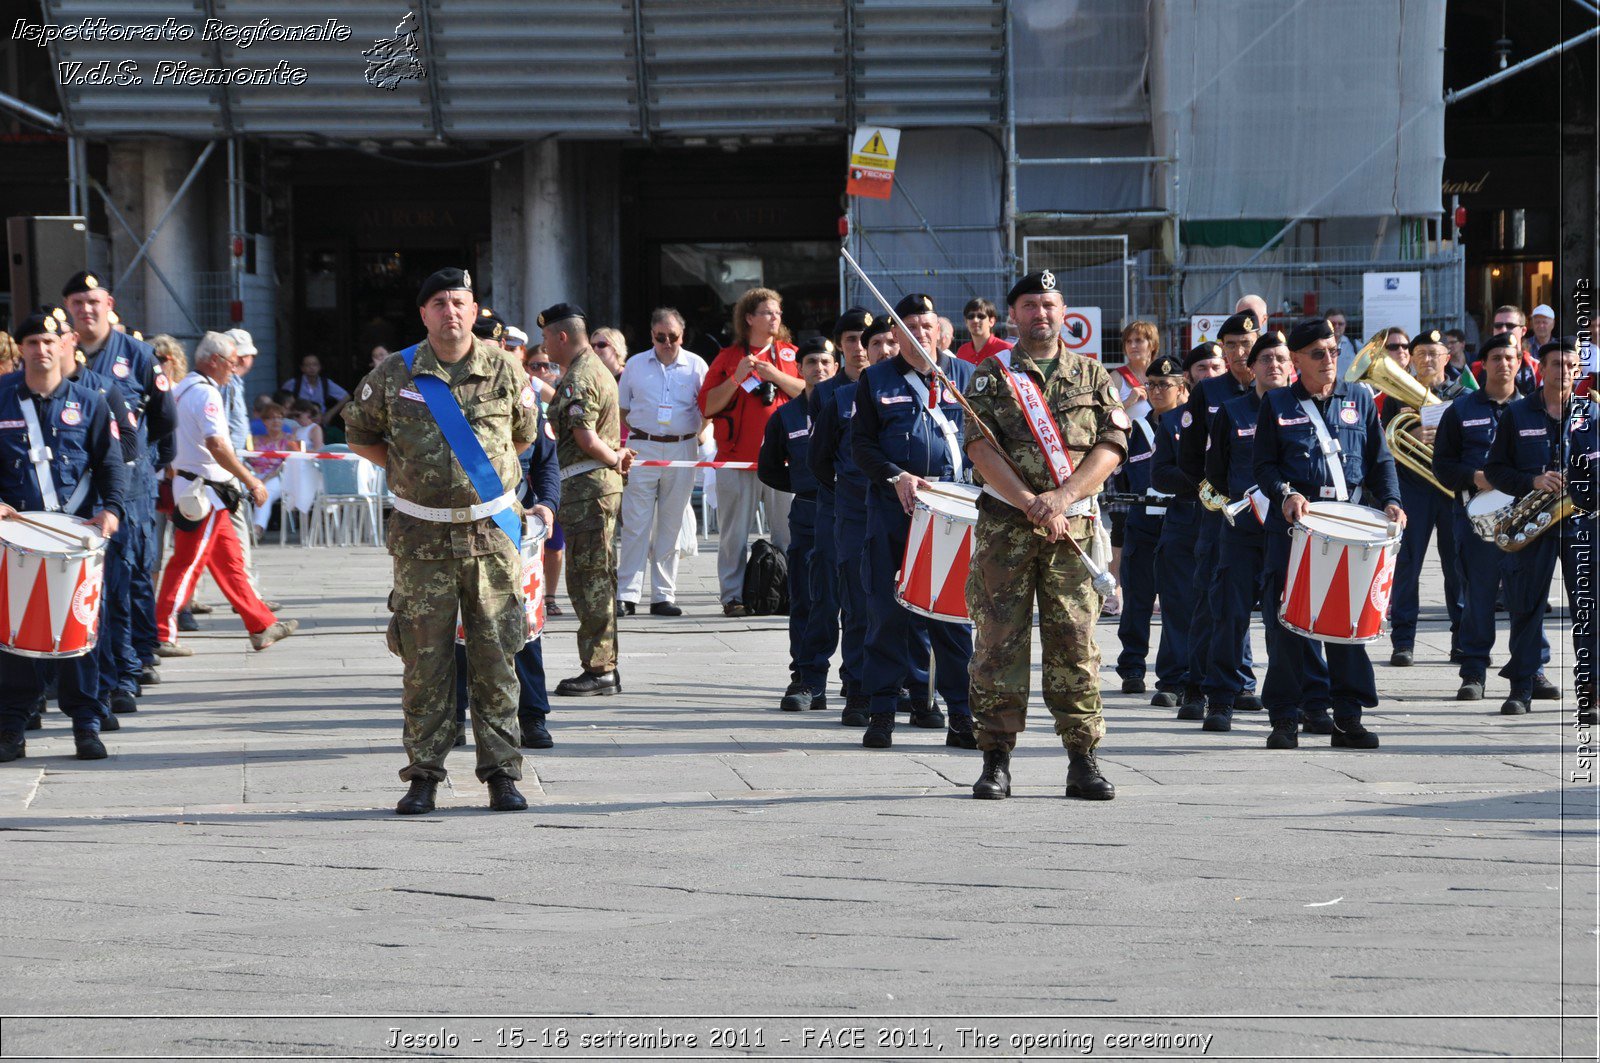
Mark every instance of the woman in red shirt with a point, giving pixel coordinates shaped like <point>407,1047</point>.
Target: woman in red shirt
<point>745,384</point>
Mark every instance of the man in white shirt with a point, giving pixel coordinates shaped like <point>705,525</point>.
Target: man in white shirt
<point>312,386</point>
<point>203,536</point>
<point>659,396</point>
<point>1347,346</point>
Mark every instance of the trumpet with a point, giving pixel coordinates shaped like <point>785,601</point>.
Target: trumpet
<point>1374,367</point>
<point>1231,511</point>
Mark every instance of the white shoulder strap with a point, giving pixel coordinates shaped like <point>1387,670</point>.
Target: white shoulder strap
<point>1330,450</point>
<point>40,456</point>
<point>940,421</point>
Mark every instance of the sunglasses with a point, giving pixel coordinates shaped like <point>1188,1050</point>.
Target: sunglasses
<point>978,317</point>
<point>1504,326</point>
<point>662,337</point>
<point>1321,355</point>
<point>1395,346</point>
<point>601,345</point>
<point>538,367</point>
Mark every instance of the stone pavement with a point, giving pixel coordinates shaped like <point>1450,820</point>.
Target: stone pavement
<point>693,852</point>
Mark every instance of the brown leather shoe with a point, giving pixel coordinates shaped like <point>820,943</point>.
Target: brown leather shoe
<point>733,608</point>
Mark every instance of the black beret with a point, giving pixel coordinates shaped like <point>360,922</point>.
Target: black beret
<point>560,312</point>
<point>852,320</point>
<point>814,345</point>
<point>877,328</point>
<point>1309,331</point>
<point>1166,365</point>
<point>488,326</point>
<point>36,325</point>
<point>1033,284</point>
<point>1201,352</point>
<point>1494,343</point>
<point>915,303</point>
<point>1566,344</point>
<point>449,279</point>
<point>1238,325</point>
<point>1265,342</point>
<point>1426,336</point>
<point>82,282</point>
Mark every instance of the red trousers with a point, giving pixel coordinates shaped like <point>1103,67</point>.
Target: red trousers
<point>213,547</point>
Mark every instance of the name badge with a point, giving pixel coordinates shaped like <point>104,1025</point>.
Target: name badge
<point>799,433</point>
<point>664,413</point>
<point>1245,433</point>
<point>1531,432</point>
<point>890,400</point>
<point>1289,422</point>
<point>1478,423</point>
<point>409,393</point>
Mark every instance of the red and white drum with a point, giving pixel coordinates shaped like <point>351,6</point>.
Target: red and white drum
<point>1341,573</point>
<point>51,575</point>
<point>932,581</point>
<point>534,534</point>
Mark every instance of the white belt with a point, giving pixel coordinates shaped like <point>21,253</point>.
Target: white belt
<point>458,515</point>
<point>587,465</point>
<point>1083,507</point>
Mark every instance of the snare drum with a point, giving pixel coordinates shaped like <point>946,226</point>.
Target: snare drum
<point>1341,572</point>
<point>1485,512</point>
<point>50,583</point>
<point>932,581</point>
<point>534,533</point>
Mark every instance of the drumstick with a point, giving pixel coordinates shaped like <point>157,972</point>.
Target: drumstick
<point>85,541</point>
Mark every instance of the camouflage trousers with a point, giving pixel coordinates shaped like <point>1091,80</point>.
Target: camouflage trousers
<point>590,526</point>
<point>1011,568</point>
<point>486,591</point>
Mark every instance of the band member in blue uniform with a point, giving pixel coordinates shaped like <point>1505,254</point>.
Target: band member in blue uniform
<point>1543,440</point>
<point>1236,336</point>
<point>132,363</point>
<point>1460,451</point>
<point>60,451</point>
<point>1427,508</point>
<point>784,465</point>
<point>1166,388</point>
<point>1317,439</point>
<point>907,432</point>
<point>1241,546</point>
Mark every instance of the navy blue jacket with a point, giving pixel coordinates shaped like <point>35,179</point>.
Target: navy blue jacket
<point>832,458</point>
<point>1165,473</point>
<point>541,472</point>
<point>1204,402</point>
<point>1530,442</point>
<point>822,395</point>
<point>1230,457</point>
<point>784,463</point>
<point>133,365</point>
<point>1135,475</point>
<point>894,432</point>
<point>75,423</point>
<point>127,423</point>
<point>1583,458</point>
<point>1461,446</point>
<point>1287,451</point>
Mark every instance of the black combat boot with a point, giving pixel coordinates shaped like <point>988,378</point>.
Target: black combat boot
<point>12,746</point>
<point>1544,690</point>
<point>590,684</point>
<point>1218,718</point>
<point>797,698</point>
<point>927,716</point>
<point>1194,705</point>
<point>122,701</point>
<point>1165,699</point>
<point>1349,734</point>
<point>1520,703</point>
<point>535,735</point>
<point>995,782</point>
<point>1248,703</point>
<point>88,743</point>
<point>856,711</point>
<point>504,795</point>
<point>1285,734</point>
<point>1316,722</point>
<point>880,731</point>
<point>109,722</point>
<point>419,799</point>
<point>960,735</point>
<point>1133,685</point>
<point>1084,779</point>
<point>1471,689</point>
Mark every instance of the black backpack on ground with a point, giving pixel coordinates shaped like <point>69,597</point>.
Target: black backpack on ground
<point>766,581</point>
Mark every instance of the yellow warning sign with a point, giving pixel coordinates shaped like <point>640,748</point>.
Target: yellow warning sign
<point>875,147</point>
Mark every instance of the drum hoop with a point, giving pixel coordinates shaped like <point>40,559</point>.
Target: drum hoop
<point>75,554</point>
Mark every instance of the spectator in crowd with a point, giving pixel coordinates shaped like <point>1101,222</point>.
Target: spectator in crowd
<point>1141,342</point>
<point>514,340</point>
<point>312,386</point>
<point>947,336</point>
<point>1347,346</point>
<point>612,347</point>
<point>1541,324</point>
<point>1508,321</point>
<point>379,353</point>
<point>1455,341</point>
<point>659,396</point>
<point>10,354</point>
<point>169,352</point>
<point>745,385</point>
<point>270,470</point>
<point>233,403</point>
<point>307,421</point>
<point>980,316</point>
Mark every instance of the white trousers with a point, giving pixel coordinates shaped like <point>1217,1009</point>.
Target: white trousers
<point>738,491</point>
<point>653,504</point>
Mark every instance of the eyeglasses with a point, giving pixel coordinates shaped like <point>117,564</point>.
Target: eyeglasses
<point>1159,385</point>
<point>662,337</point>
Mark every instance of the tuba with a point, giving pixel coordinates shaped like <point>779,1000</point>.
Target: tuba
<point>1211,498</point>
<point>1374,367</point>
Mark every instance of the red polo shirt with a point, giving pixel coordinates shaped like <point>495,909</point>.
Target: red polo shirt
<point>740,426</point>
<point>994,346</point>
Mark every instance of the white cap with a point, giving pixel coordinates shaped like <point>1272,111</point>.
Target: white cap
<point>1543,310</point>
<point>241,339</point>
<point>516,337</point>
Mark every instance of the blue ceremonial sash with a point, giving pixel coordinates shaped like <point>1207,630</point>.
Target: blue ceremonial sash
<point>463,442</point>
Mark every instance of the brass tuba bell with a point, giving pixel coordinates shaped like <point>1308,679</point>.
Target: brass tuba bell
<point>1373,366</point>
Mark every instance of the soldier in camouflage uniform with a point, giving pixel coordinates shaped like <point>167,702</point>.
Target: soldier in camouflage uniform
<point>587,422</point>
<point>1021,552</point>
<point>447,559</point>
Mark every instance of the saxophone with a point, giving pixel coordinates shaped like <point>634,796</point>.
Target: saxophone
<point>1536,512</point>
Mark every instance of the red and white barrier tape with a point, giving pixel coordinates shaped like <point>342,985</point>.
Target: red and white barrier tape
<point>694,465</point>
<point>318,455</point>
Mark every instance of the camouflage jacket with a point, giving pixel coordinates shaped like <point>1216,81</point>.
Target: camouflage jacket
<point>1082,400</point>
<point>587,398</point>
<point>503,412</point>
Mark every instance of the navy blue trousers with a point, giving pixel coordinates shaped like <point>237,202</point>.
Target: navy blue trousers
<point>1480,565</point>
<point>1292,659</point>
<point>1175,584</point>
<point>849,536</point>
<point>891,628</point>
<point>22,680</point>
<point>1138,577</point>
<point>1528,575</point>
<point>1239,586</point>
<point>1427,511</point>
<point>142,549</point>
<point>820,636</point>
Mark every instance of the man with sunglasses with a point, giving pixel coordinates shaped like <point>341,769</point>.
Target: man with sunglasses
<point>659,396</point>
<point>1317,440</point>
<point>1509,322</point>
<point>980,316</point>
